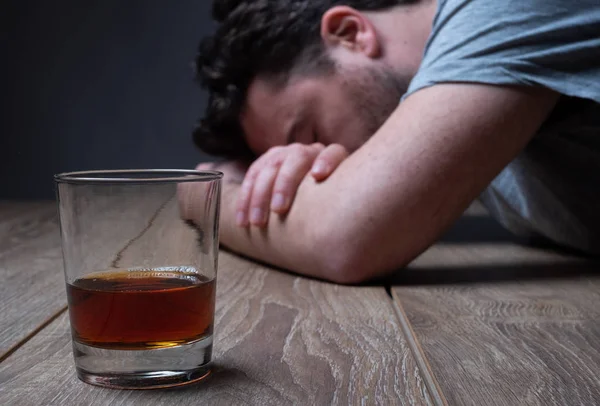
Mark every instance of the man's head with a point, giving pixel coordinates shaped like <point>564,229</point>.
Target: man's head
<point>329,71</point>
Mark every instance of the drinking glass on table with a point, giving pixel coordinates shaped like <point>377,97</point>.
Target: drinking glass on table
<point>140,274</point>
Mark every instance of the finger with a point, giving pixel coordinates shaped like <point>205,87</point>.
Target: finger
<point>205,166</point>
<point>186,194</point>
<point>261,196</point>
<point>183,198</point>
<point>328,161</point>
<point>189,196</point>
<point>243,204</point>
<point>292,172</point>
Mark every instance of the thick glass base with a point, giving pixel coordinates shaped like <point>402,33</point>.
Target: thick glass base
<point>144,369</point>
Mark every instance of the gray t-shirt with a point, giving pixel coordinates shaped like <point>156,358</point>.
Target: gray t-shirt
<point>552,189</point>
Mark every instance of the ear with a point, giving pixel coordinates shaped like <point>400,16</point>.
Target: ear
<point>347,27</point>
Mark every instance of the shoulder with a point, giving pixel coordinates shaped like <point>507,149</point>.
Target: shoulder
<point>547,43</point>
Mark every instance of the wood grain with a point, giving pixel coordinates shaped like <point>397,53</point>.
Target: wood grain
<point>520,342</point>
<point>280,340</point>
<point>32,288</point>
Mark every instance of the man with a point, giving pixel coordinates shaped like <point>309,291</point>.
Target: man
<point>378,122</point>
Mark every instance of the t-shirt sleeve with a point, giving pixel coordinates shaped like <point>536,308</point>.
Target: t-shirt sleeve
<point>549,43</point>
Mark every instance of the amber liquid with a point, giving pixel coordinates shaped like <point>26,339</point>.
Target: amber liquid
<point>140,310</point>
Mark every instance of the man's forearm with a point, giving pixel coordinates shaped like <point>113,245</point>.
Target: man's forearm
<point>288,242</point>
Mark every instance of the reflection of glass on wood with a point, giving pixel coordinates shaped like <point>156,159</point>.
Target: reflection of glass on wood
<point>142,309</point>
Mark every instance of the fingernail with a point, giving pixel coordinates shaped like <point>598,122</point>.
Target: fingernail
<point>257,216</point>
<point>279,202</point>
<point>320,167</point>
<point>240,218</point>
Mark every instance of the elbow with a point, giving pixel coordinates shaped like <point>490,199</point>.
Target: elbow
<point>345,262</point>
<point>346,274</point>
<point>347,256</point>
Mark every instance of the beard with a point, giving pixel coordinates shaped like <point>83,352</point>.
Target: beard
<point>375,94</point>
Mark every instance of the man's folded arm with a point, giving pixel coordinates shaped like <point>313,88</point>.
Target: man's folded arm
<point>401,190</point>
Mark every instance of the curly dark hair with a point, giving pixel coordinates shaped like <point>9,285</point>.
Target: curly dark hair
<point>259,38</point>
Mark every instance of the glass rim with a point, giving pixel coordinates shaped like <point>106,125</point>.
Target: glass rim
<point>137,176</point>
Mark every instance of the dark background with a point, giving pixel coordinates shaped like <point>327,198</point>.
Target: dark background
<point>96,84</point>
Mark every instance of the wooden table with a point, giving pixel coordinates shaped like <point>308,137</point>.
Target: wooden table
<point>477,320</point>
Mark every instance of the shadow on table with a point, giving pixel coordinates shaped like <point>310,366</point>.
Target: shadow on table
<point>475,230</point>
<point>487,273</point>
<point>478,230</point>
<point>484,229</point>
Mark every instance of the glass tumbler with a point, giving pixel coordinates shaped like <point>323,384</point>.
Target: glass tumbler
<point>140,251</point>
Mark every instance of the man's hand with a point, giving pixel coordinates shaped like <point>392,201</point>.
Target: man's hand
<point>191,195</point>
<point>273,179</point>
